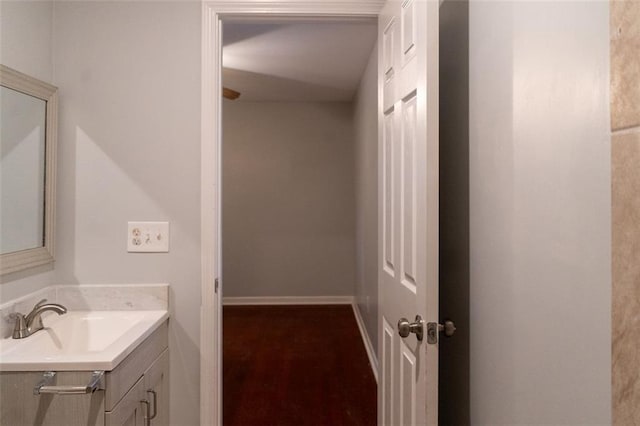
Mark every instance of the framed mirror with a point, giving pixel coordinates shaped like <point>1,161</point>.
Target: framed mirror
<point>28,137</point>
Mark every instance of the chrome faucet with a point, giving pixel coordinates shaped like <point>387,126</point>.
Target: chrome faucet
<point>32,322</point>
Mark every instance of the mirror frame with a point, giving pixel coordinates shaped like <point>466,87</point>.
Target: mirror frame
<point>29,258</point>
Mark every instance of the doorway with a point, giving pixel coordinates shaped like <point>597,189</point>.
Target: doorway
<point>299,158</point>
<point>413,62</point>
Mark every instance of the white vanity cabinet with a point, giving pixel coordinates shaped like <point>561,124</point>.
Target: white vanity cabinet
<point>127,398</point>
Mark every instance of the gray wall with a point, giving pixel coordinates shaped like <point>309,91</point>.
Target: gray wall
<point>129,135</point>
<point>26,29</point>
<point>288,199</point>
<point>366,190</point>
<point>540,213</point>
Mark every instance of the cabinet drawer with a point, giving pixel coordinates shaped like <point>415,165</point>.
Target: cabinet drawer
<point>19,406</point>
<point>120,380</point>
<point>129,411</point>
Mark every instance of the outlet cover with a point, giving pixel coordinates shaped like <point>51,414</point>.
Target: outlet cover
<point>148,237</point>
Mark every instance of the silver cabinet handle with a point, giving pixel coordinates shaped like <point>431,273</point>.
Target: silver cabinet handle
<point>147,417</point>
<point>44,386</point>
<point>155,403</point>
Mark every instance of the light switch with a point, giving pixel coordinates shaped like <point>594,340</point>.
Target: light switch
<point>148,237</point>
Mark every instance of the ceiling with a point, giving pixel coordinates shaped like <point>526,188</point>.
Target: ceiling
<point>296,60</point>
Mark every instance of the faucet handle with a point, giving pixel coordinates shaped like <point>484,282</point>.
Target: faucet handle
<point>20,327</point>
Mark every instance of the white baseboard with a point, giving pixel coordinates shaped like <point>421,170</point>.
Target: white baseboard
<point>371,353</point>
<point>289,300</point>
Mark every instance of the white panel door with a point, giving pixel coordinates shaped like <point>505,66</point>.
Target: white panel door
<point>408,209</point>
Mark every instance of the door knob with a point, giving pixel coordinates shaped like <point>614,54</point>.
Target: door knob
<point>448,329</point>
<point>405,327</point>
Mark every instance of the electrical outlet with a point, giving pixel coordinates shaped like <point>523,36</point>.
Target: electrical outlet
<point>148,237</point>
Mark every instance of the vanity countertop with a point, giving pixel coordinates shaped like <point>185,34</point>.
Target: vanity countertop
<point>81,341</point>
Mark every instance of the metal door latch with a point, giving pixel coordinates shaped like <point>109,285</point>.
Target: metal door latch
<point>433,329</point>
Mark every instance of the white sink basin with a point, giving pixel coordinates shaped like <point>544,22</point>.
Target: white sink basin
<point>80,340</point>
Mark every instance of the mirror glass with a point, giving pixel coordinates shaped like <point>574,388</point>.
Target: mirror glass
<point>22,170</point>
<point>28,118</point>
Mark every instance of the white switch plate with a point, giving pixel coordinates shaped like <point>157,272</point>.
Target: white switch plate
<point>148,237</point>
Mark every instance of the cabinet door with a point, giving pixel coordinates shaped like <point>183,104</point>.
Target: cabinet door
<point>129,411</point>
<point>156,381</point>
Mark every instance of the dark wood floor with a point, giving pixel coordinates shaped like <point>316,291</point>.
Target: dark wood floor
<point>295,365</point>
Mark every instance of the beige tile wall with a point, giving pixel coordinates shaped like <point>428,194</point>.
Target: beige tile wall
<point>625,123</point>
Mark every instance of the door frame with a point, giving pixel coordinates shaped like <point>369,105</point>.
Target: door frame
<point>210,173</point>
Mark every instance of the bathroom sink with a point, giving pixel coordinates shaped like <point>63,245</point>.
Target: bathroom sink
<point>80,340</point>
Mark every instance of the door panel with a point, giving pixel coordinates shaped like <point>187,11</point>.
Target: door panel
<point>408,206</point>
<point>388,58</point>
<point>386,375</point>
<point>387,198</point>
<point>408,30</point>
<point>408,373</point>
